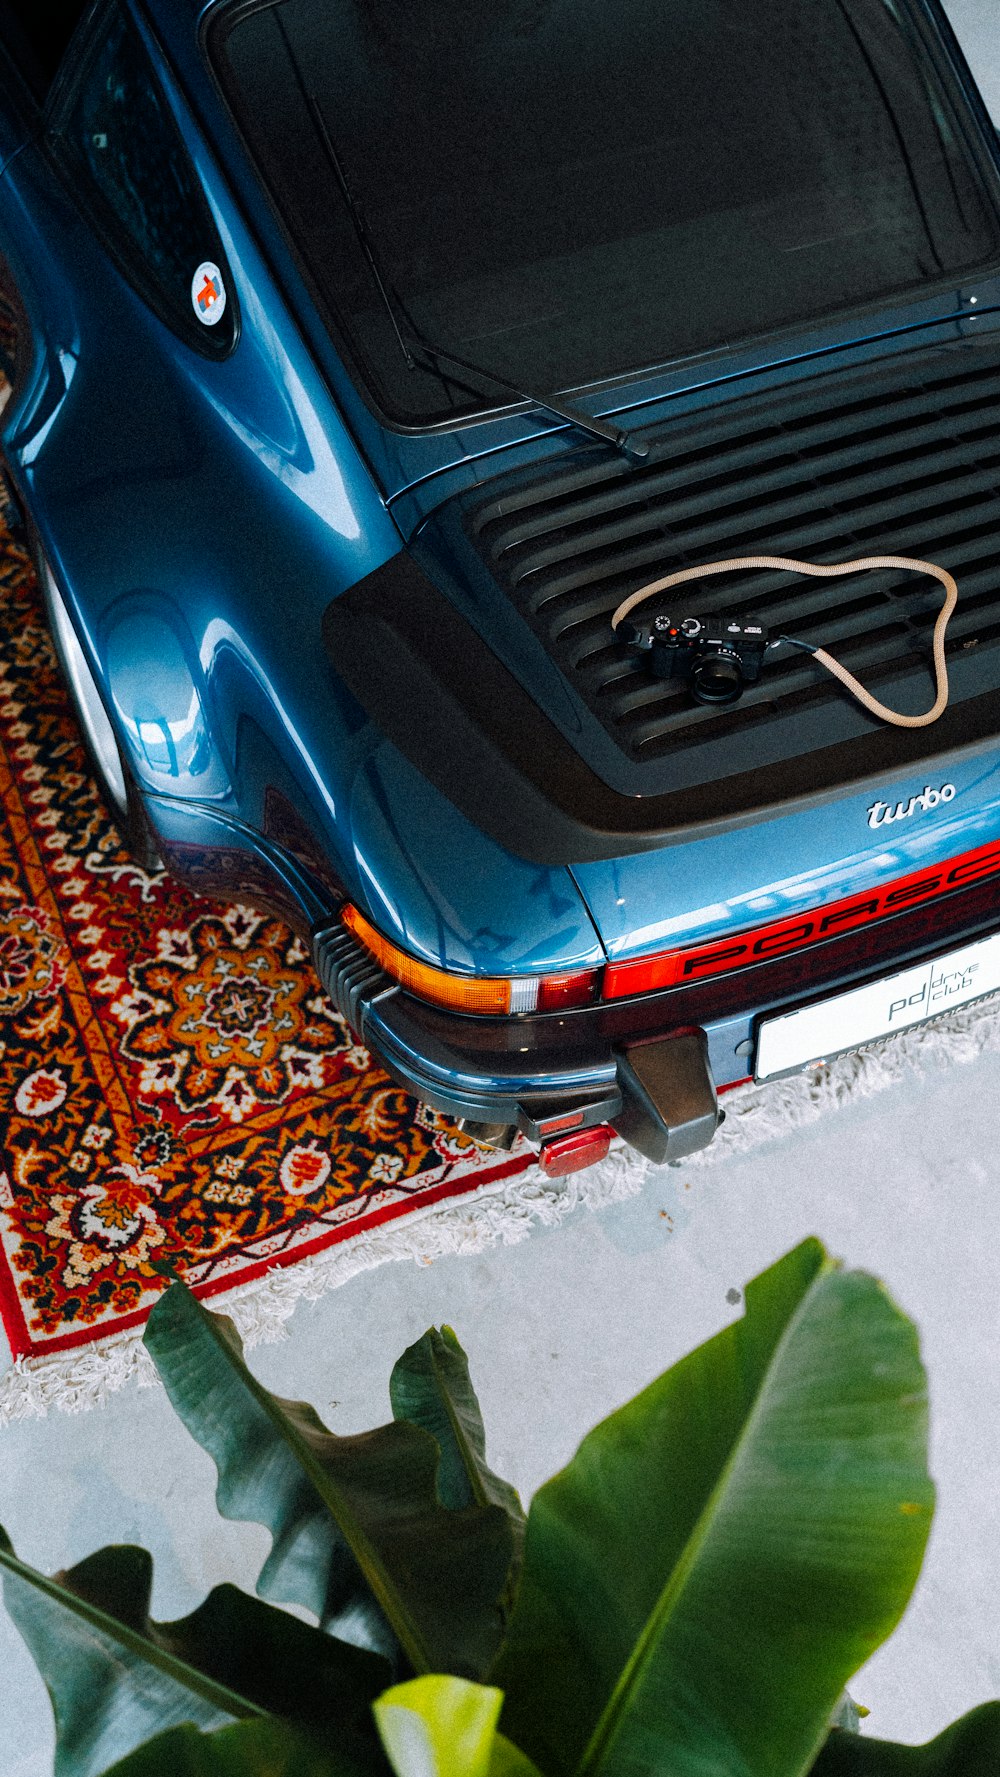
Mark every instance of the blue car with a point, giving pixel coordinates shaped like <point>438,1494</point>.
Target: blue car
<point>366,358</point>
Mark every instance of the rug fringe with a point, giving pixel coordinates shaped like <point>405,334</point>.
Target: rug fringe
<point>501,1213</point>
<point>759,1114</point>
<point>504,1212</point>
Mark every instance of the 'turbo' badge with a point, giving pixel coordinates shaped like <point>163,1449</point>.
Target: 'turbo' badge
<point>208,293</point>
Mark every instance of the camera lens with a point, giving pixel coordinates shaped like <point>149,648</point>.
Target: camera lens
<point>716,678</point>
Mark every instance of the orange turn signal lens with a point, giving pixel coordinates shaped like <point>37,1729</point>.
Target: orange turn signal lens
<point>491,994</point>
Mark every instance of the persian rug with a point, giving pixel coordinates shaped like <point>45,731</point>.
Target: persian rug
<point>177,1093</point>
<point>179,1097</point>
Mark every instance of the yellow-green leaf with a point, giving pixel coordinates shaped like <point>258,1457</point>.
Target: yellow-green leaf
<point>437,1726</point>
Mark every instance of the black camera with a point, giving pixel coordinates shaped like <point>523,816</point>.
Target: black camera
<point>717,655</point>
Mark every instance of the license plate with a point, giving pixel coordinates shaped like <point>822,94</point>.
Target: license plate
<point>849,1020</point>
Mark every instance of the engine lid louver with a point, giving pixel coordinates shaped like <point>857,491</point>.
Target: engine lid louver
<point>904,460</point>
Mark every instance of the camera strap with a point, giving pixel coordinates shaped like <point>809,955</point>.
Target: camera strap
<point>833,666</point>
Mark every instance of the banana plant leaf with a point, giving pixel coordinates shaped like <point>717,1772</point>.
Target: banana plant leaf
<point>969,1748</point>
<point>248,1749</point>
<point>437,1726</point>
<point>430,1386</point>
<point>359,1535</point>
<point>116,1677</point>
<point>724,1552</point>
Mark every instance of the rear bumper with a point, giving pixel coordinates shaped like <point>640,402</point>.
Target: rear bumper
<point>650,1066</point>
<point>540,1075</point>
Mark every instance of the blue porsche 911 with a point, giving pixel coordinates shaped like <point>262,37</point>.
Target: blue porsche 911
<point>516,486</point>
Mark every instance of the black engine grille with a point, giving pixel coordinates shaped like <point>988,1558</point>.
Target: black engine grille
<point>905,462</point>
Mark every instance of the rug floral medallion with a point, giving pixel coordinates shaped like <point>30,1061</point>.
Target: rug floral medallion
<point>177,1094</point>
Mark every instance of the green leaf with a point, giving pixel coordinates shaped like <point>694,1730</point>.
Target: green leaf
<point>430,1386</point>
<point>249,1749</point>
<point>283,1664</point>
<point>116,1677</point>
<point>969,1748</point>
<point>722,1553</point>
<point>359,1535</point>
<point>446,1727</point>
<point>111,1682</point>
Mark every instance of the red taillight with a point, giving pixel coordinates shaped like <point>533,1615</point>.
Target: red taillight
<point>558,992</point>
<point>571,1153</point>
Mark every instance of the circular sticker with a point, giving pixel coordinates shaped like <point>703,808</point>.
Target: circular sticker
<point>208,293</point>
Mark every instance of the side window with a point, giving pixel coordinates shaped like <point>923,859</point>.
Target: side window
<point>131,170</point>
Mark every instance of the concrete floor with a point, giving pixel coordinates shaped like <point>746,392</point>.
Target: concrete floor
<point>566,1326</point>
<point>976,24</point>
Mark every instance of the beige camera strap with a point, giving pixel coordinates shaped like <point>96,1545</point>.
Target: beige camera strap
<point>847,567</point>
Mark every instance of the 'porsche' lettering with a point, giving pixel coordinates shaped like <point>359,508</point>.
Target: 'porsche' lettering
<point>795,932</point>
<point>911,891</point>
<point>785,939</point>
<point>974,868</point>
<point>711,961</point>
<point>841,916</point>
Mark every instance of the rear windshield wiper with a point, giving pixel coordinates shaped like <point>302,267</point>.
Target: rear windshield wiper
<point>411,340</point>
<point>630,447</point>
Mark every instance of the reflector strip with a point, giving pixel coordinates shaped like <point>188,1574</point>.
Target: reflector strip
<point>571,1153</point>
<point>548,1126</point>
<point>674,968</point>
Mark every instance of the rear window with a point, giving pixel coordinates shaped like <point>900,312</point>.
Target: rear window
<point>564,191</point>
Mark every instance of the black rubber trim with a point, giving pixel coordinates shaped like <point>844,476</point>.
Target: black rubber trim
<point>439,694</point>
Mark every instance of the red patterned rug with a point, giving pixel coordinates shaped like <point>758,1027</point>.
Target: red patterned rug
<point>177,1093</point>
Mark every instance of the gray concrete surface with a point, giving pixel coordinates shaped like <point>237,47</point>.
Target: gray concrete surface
<point>977,26</point>
<point>566,1326</point>
<point>563,1328</point>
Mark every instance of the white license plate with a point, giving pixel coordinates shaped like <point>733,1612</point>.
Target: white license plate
<point>860,1016</point>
